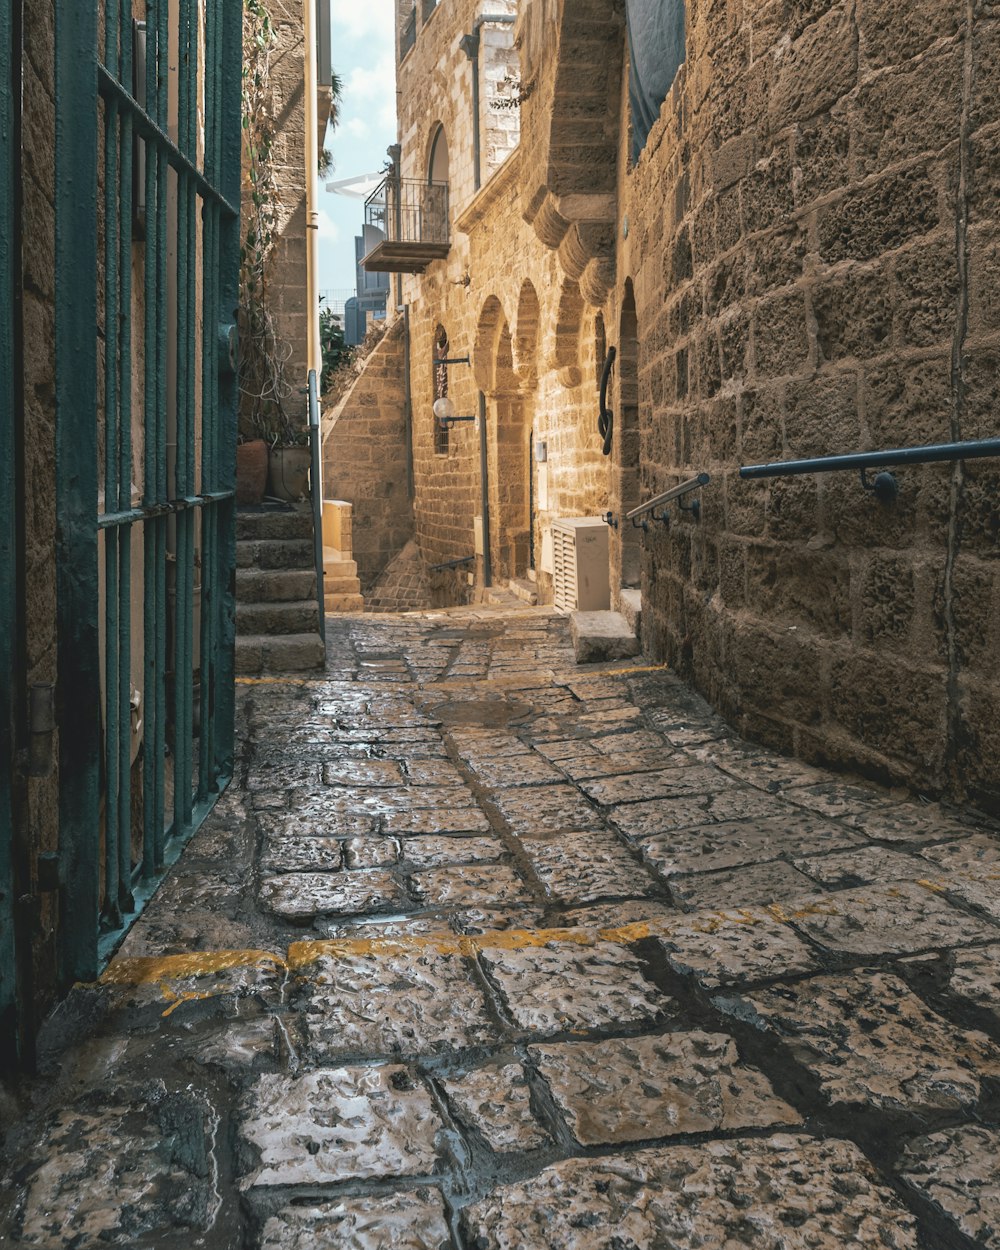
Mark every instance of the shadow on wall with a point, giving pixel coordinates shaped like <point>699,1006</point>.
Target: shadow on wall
<point>364,458</point>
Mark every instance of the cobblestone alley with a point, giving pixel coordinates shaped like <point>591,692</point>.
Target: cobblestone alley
<point>486,950</point>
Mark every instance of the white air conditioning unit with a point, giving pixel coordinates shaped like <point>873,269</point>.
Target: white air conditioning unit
<point>580,571</point>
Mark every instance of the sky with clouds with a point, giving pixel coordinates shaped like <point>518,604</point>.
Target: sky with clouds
<point>363,56</point>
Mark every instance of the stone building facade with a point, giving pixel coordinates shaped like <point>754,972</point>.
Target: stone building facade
<point>800,262</point>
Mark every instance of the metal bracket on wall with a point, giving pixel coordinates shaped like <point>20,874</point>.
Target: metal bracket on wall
<point>609,518</point>
<point>884,486</point>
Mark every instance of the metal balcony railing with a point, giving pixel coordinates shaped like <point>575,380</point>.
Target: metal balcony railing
<point>408,210</point>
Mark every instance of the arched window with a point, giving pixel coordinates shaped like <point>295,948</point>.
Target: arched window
<point>437,164</point>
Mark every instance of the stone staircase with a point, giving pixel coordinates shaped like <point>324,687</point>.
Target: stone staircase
<point>277,616</point>
<point>341,586</point>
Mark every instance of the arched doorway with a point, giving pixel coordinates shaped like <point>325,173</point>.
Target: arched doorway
<point>626,546</point>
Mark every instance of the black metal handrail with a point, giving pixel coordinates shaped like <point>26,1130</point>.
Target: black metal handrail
<point>409,210</point>
<point>453,564</point>
<point>316,494</point>
<point>980,449</point>
<point>675,492</point>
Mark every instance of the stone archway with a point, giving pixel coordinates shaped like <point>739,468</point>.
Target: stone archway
<point>626,546</point>
<point>508,442</point>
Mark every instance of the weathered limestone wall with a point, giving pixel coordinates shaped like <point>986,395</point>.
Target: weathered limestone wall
<point>38,304</point>
<point>502,298</point>
<point>287,267</point>
<point>364,458</point>
<point>813,242</point>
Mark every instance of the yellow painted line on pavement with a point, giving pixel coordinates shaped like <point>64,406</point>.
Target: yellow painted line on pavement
<point>146,970</point>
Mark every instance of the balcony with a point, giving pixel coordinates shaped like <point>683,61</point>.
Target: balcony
<point>407,219</point>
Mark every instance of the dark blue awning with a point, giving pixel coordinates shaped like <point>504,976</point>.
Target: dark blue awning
<point>656,53</point>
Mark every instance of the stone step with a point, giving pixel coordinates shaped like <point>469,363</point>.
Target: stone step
<point>274,585</point>
<point>277,618</point>
<point>631,608</point>
<point>500,597</point>
<point>601,637</point>
<point>276,553</point>
<point>341,585</point>
<point>523,589</point>
<point>345,603</point>
<point>288,653</point>
<point>338,565</point>
<point>258,525</point>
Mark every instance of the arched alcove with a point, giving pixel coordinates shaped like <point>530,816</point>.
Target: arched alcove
<point>526,336</point>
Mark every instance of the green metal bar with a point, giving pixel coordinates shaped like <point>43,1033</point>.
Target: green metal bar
<point>160,526</point>
<point>76,484</point>
<point>111,912</point>
<point>124,535</point>
<point>152,607</point>
<point>8,548</point>
<point>209,528</point>
<point>147,129</point>
<point>230,150</point>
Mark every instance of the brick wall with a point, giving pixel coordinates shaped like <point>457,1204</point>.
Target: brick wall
<point>813,244</point>
<point>364,458</point>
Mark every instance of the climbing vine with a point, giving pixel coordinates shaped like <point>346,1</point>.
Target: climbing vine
<point>264,389</point>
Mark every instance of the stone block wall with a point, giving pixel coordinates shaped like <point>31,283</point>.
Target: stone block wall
<point>504,300</point>
<point>39,520</point>
<point>365,458</point>
<point>814,244</point>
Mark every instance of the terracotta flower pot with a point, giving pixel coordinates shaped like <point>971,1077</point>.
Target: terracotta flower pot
<point>288,476</point>
<point>251,472</point>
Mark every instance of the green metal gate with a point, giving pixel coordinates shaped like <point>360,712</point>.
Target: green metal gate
<point>147,177</point>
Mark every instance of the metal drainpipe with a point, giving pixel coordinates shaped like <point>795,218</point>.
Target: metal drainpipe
<point>484,486</point>
<point>408,403</point>
<point>470,46</point>
<point>314,355</point>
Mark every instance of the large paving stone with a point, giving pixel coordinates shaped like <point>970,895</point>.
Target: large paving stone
<point>495,1101</point>
<point>371,852</point>
<point>976,976</point>
<point>707,848</point>
<point>598,764</point>
<point>471,885</point>
<point>566,985</point>
<point>782,1193</point>
<point>667,783</point>
<point>835,798</point>
<point>401,824</point>
<point>546,809</point>
<point>410,1220</point>
<point>312,819</point>
<point>734,948</point>
<point>871,1041</point>
<point>635,1089</point>
<point>300,896</point>
<point>353,1123</point>
<point>908,822</point>
<point>302,853</point>
<point>115,1172</point>
<point>516,770</point>
<point>406,1002</point>
<point>862,866</point>
<point>602,637</point>
<point>957,1170</point>
<point>886,920</point>
<point>752,883</point>
<point>437,852</point>
<point>641,911</point>
<point>584,867</point>
<point>363,773</point>
<point>646,820</point>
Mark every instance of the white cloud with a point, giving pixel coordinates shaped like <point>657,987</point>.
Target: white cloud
<point>371,20</point>
<point>328,228</point>
<point>356,127</point>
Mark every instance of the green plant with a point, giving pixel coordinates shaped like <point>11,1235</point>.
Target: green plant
<point>335,351</point>
<point>264,389</point>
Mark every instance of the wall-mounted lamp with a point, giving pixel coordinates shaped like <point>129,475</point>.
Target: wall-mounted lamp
<point>445,412</point>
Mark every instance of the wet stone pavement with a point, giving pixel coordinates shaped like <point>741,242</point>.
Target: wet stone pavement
<point>486,951</point>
